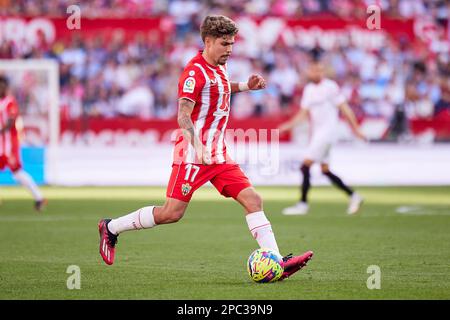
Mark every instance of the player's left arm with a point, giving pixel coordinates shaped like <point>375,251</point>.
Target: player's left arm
<point>300,116</point>
<point>12,110</point>
<point>9,124</point>
<point>351,118</point>
<point>255,82</point>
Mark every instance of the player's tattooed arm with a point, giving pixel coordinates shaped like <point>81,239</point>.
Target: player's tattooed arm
<point>185,108</point>
<point>255,82</point>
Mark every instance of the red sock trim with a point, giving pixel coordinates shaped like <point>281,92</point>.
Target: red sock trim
<point>267,224</point>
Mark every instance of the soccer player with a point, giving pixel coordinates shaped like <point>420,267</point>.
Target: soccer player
<point>9,144</point>
<point>200,153</point>
<point>321,101</point>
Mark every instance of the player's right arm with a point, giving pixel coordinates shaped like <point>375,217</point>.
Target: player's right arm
<point>185,108</point>
<point>301,115</point>
<point>190,86</point>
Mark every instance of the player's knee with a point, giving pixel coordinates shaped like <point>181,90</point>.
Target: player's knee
<point>15,169</point>
<point>169,214</point>
<point>325,169</point>
<point>175,215</point>
<point>175,218</point>
<point>254,202</point>
<point>305,169</point>
<point>307,163</point>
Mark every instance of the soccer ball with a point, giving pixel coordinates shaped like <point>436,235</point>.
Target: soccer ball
<point>265,265</point>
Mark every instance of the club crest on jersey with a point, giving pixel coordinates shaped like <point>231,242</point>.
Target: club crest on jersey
<point>189,85</point>
<point>185,189</point>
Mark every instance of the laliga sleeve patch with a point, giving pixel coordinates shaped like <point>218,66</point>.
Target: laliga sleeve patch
<point>189,85</point>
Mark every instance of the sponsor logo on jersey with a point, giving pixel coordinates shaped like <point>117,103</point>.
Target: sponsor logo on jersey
<point>185,189</point>
<point>189,85</point>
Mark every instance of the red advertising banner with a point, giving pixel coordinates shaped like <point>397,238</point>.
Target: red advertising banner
<point>160,27</point>
<point>134,131</point>
<point>325,32</point>
<point>257,33</point>
<point>35,31</point>
<point>439,126</point>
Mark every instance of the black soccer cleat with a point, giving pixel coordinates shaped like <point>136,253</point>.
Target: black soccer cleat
<point>40,205</point>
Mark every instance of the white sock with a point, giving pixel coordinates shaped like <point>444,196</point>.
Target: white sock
<point>262,230</point>
<point>27,181</point>
<point>139,219</point>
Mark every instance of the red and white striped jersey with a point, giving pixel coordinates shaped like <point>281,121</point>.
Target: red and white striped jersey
<point>9,138</point>
<point>209,87</point>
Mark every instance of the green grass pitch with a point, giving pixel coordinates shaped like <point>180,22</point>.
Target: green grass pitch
<point>404,231</point>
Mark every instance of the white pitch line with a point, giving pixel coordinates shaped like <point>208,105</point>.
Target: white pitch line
<point>422,211</point>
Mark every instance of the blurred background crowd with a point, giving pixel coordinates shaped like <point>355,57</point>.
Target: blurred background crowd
<point>185,10</point>
<point>102,77</point>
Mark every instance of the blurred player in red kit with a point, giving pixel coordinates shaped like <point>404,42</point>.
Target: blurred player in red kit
<point>200,155</point>
<point>10,146</point>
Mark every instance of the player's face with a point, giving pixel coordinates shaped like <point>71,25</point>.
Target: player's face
<point>220,49</point>
<point>315,72</point>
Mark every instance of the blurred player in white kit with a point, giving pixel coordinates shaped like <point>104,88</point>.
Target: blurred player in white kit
<point>321,101</point>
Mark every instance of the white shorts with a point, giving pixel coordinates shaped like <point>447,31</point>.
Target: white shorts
<point>319,149</point>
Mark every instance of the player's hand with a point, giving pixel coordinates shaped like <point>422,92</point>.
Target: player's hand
<point>360,135</point>
<point>284,127</point>
<point>256,82</point>
<point>204,155</point>
<point>206,159</point>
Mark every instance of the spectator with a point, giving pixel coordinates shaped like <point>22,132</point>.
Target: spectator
<point>443,104</point>
<point>138,101</point>
<point>183,12</point>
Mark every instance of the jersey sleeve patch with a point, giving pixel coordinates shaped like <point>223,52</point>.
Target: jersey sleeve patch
<point>189,85</point>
